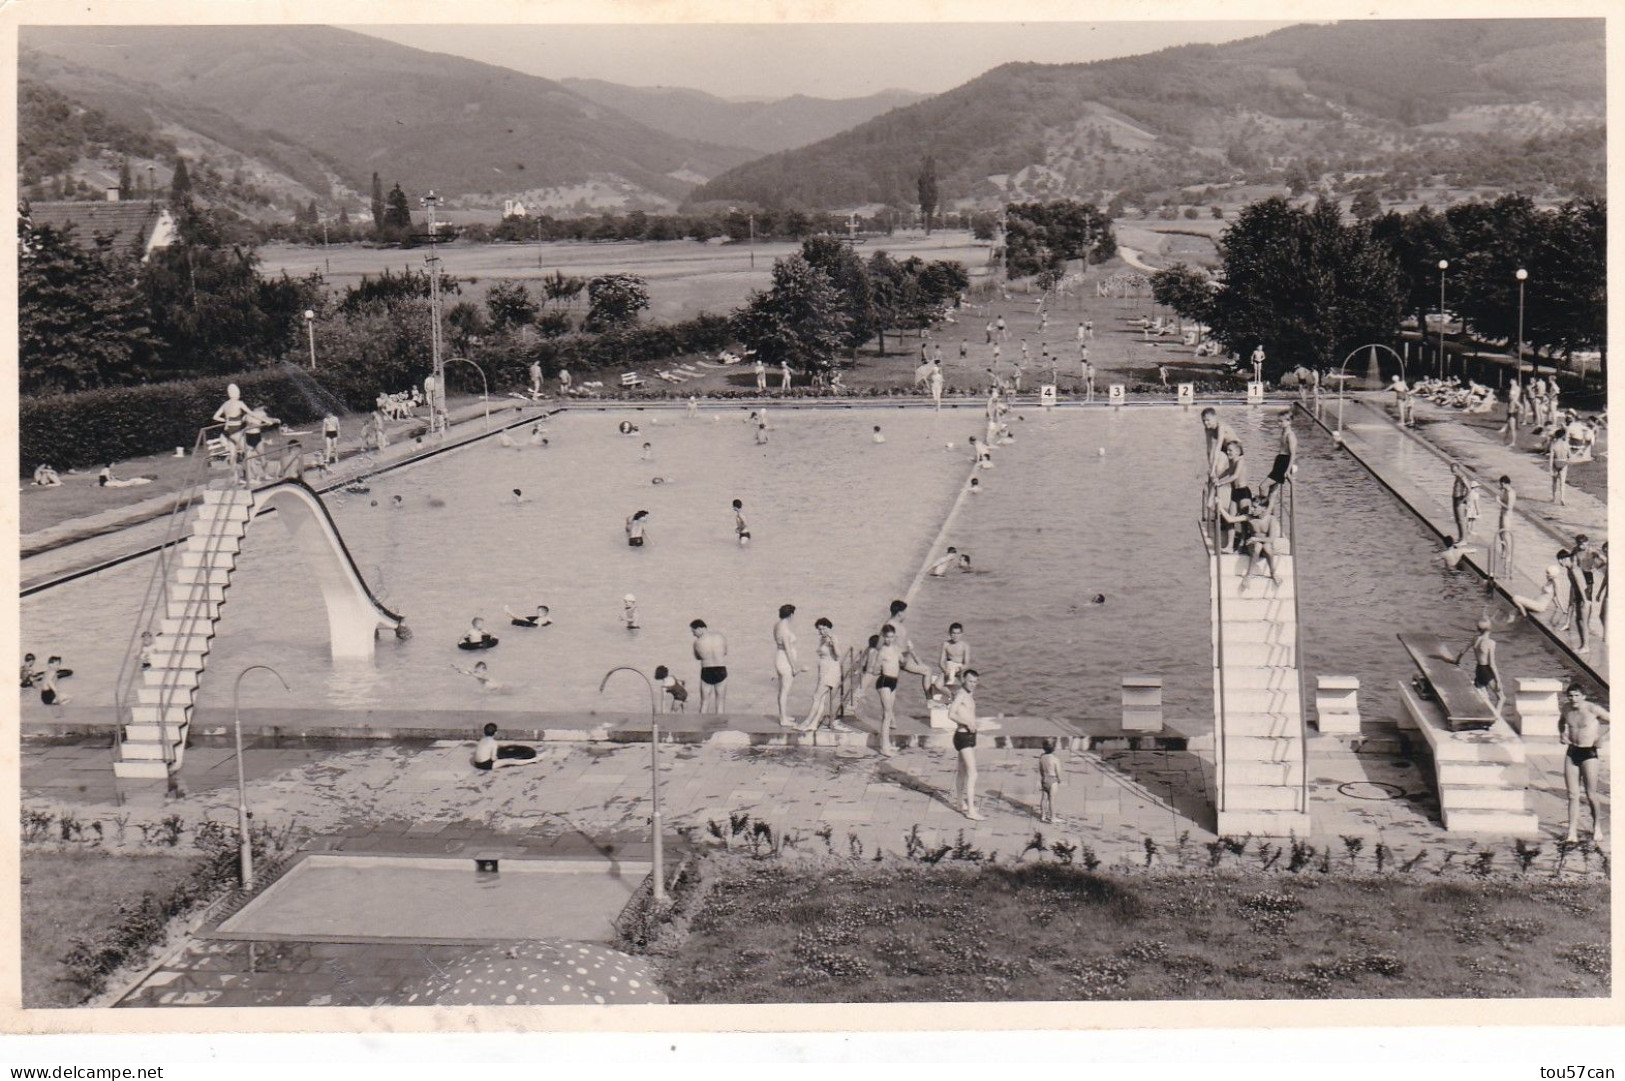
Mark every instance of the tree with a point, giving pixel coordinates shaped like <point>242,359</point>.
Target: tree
<point>927,186</point>
<point>1046,235</point>
<point>1365,205</point>
<point>180,186</point>
<point>1187,290</point>
<point>983,226</point>
<point>397,213</point>
<point>81,322</point>
<point>562,289</point>
<point>510,305</point>
<point>1303,284</point>
<point>1567,293</point>
<point>377,202</point>
<point>126,186</point>
<point>344,217</point>
<point>845,271</point>
<point>798,321</point>
<point>614,300</point>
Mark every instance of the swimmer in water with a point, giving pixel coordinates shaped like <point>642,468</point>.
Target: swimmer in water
<point>505,440</point>
<point>741,527</point>
<point>1098,598</point>
<point>477,635</point>
<point>761,434</point>
<point>538,436</point>
<point>628,428</point>
<point>953,558</point>
<point>396,502</point>
<point>693,406</point>
<point>483,676</point>
<point>648,452</point>
<point>634,529</point>
<point>519,496</point>
<point>540,619</point>
<point>629,612</point>
<point>877,437</point>
<point>975,486</point>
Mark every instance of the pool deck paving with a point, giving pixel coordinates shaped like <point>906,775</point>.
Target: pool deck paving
<point>1415,464</point>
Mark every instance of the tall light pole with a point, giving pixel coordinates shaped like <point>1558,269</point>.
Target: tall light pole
<point>753,241</point>
<point>310,332</point>
<point>1523,276</point>
<point>245,861</point>
<point>1444,265</point>
<point>654,758</point>
<point>437,418</point>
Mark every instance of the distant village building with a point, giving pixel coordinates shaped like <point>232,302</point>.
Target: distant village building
<point>133,228</point>
<point>513,208</point>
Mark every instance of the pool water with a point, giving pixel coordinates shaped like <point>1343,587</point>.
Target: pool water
<point>1084,502</point>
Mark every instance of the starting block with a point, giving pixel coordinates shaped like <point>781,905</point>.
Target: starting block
<point>1046,395</point>
<point>1115,395</point>
<point>1187,394</point>
<point>1255,393</point>
<point>1337,706</point>
<point>1142,703</point>
<point>1538,711</point>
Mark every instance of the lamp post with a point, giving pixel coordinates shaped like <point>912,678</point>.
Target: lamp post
<point>245,850</point>
<point>753,241</point>
<point>1523,276</point>
<point>310,332</point>
<point>485,386</point>
<point>654,758</point>
<point>1444,265</point>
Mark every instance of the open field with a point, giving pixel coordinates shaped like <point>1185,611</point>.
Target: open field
<point>685,277</point>
<point>1044,932</point>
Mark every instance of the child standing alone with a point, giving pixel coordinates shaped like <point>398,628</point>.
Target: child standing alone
<point>1049,779</point>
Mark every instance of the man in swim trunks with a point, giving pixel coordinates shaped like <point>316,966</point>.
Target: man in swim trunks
<point>741,527</point>
<point>1485,676</point>
<point>711,650</point>
<point>1580,729</point>
<point>888,665</point>
<point>330,439</point>
<point>785,664</point>
<point>634,529</point>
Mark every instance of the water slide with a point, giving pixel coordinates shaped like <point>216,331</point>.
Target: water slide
<point>353,614</point>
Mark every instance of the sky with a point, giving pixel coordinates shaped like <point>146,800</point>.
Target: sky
<point>828,61</point>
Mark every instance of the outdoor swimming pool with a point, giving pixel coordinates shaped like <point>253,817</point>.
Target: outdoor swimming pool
<point>840,526</point>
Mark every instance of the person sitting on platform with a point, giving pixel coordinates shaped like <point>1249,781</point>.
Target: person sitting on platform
<point>489,754</point>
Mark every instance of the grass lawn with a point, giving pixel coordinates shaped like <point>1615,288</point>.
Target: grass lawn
<point>68,894</point>
<point>1045,932</point>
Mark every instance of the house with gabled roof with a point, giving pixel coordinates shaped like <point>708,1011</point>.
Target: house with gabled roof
<point>133,228</point>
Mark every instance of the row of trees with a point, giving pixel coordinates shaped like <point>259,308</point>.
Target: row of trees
<point>826,299</point>
<point>1310,287</point>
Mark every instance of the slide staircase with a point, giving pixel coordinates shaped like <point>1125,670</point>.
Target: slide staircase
<point>189,585</point>
<point>1260,753</point>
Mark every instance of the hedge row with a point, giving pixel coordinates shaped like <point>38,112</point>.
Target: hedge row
<point>507,364</point>
<point>94,427</point>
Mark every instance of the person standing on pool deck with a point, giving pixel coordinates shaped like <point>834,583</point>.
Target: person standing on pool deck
<point>785,663</point>
<point>711,650</point>
<point>535,379</point>
<point>911,662</point>
<point>1580,728</point>
<point>761,374</point>
<point>936,384</point>
<point>962,712</point>
<point>1485,676</point>
<point>888,663</point>
<point>1460,487</point>
<point>1557,458</point>
<point>784,375</point>
<point>564,381</point>
<point>330,439</point>
<point>741,527</point>
<point>828,695</point>
<point>1506,500</point>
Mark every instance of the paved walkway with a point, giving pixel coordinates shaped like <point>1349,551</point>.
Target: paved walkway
<point>1416,467</point>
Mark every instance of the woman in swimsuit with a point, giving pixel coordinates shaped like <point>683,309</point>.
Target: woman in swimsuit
<point>829,680</point>
<point>1580,729</point>
<point>962,712</point>
<point>784,662</point>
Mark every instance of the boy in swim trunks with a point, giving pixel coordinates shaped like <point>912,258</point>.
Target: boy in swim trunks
<point>1485,677</point>
<point>955,657</point>
<point>711,650</point>
<point>741,528</point>
<point>888,663</point>
<point>1580,729</point>
<point>488,754</point>
<point>629,612</point>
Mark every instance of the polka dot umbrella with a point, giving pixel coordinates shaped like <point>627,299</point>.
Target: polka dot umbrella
<point>539,973</point>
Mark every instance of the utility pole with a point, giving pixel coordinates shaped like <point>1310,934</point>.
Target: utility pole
<point>753,241</point>
<point>437,400</point>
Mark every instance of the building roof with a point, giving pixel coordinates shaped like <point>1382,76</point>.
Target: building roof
<point>130,224</point>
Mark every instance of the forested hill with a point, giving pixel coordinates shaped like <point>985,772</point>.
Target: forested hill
<point>361,104</point>
<point>1350,96</point>
<point>762,126</point>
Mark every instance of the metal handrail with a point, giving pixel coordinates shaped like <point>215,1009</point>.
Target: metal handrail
<point>851,677</point>
<point>159,580</point>
<point>1297,648</point>
<point>1208,528</point>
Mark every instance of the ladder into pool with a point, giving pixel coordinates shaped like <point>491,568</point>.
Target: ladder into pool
<point>1260,752</point>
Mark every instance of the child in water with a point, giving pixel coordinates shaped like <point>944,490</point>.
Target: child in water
<point>477,638</point>
<point>671,685</point>
<point>629,612</point>
<point>540,619</point>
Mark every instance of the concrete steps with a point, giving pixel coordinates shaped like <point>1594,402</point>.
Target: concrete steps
<point>1481,776</point>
